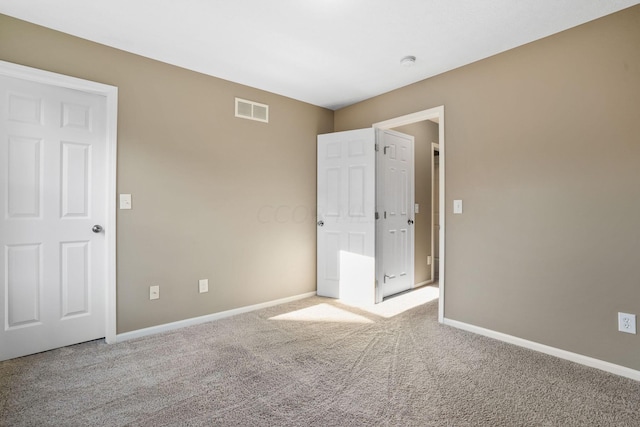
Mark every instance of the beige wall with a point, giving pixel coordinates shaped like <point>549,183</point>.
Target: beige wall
<point>213,196</point>
<point>543,145</point>
<point>424,134</point>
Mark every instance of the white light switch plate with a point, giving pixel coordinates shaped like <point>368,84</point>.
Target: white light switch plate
<point>203,285</point>
<point>457,206</point>
<point>125,201</point>
<point>154,292</point>
<point>417,208</point>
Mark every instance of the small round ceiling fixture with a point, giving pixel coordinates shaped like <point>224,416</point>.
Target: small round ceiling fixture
<point>408,61</point>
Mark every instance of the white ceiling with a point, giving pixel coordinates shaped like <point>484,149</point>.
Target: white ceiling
<point>330,53</point>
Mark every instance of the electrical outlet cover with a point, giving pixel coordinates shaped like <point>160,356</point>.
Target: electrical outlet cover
<point>627,323</point>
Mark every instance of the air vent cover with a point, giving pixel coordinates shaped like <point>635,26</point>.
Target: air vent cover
<point>252,110</point>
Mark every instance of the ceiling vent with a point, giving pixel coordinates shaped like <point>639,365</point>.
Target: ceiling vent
<point>252,110</point>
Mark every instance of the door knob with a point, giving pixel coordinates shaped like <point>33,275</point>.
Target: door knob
<point>320,223</point>
<point>410,222</point>
<point>96,228</point>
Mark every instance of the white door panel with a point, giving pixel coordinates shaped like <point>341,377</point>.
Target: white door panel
<point>53,189</point>
<point>346,212</point>
<point>395,205</point>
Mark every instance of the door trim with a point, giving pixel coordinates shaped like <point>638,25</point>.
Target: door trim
<point>111,94</point>
<point>434,147</point>
<point>438,114</point>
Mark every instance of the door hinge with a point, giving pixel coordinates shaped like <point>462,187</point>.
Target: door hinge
<point>377,215</point>
<point>377,147</point>
<point>385,214</point>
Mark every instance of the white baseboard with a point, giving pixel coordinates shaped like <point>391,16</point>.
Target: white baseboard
<point>208,318</point>
<point>562,354</point>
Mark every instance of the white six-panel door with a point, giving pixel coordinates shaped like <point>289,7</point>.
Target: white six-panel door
<point>52,193</point>
<point>346,216</point>
<point>396,210</point>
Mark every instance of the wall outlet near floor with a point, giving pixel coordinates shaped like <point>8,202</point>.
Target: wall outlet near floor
<point>154,292</point>
<point>203,285</point>
<point>627,323</point>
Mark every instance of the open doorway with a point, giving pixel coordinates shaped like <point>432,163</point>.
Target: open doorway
<point>425,135</point>
<point>349,243</point>
<point>427,127</point>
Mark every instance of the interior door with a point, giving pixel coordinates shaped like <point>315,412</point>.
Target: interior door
<point>395,207</point>
<point>346,216</point>
<point>52,207</point>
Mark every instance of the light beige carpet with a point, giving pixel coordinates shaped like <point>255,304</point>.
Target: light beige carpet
<point>313,362</point>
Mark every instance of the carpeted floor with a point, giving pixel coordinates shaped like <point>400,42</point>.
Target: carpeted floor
<point>312,362</point>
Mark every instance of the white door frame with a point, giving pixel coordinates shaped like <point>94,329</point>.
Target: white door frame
<point>434,147</point>
<point>438,114</point>
<point>111,94</point>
